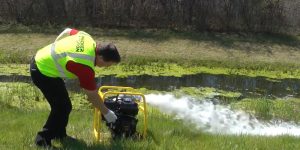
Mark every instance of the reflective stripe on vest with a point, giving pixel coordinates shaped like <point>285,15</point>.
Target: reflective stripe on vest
<point>61,55</point>
<point>52,59</point>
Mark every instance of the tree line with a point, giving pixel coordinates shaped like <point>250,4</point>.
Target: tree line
<point>203,15</point>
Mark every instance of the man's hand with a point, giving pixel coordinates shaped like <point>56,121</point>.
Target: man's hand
<point>110,117</point>
<point>95,99</point>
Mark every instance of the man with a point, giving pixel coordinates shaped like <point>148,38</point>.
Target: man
<point>74,54</point>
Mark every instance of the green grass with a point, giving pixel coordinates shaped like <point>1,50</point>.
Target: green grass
<point>263,108</point>
<point>173,69</point>
<point>23,111</point>
<point>20,126</point>
<point>156,68</point>
<point>169,53</point>
<point>225,97</point>
<point>26,96</point>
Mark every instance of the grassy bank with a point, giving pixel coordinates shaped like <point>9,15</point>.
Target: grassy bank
<point>25,96</point>
<point>173,69</point>
<point>286,109</point>
<point>165,52</point>
<point>19,128</point>
<point>23,112</point>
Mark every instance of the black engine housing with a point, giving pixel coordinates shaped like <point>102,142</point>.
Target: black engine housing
<point>126,109</point>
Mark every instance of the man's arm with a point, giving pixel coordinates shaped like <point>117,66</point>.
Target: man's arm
<point>87,82</point>
<point>95,99</point>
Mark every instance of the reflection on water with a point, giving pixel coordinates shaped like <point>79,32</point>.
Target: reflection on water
<point>248,86</point>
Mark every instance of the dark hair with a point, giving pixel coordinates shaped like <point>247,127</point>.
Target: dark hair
<point>109,52</point>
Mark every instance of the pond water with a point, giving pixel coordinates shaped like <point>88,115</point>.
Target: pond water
<point>248,86</point>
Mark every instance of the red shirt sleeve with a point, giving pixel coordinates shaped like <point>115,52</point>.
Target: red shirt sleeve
<point>73,32</point>
<point>84,73</point>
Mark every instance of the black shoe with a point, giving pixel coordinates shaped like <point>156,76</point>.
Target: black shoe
<point>42,141</point>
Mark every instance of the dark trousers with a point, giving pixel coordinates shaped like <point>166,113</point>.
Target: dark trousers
<point>57,96</point>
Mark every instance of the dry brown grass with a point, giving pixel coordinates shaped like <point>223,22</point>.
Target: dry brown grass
<point>166,45</point>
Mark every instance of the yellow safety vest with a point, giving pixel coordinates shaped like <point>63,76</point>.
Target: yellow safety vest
<point>52,59</point>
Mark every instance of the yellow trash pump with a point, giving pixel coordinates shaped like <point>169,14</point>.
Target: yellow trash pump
<point>126,104</point>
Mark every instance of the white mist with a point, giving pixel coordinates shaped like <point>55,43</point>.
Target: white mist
<point>219,119</point>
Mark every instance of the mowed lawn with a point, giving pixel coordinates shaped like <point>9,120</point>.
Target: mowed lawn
<point>169,45</point>
<point>165,52</point>
<point>18,128</point>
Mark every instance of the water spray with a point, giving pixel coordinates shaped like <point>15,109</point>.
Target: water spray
<point>219,119</point>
